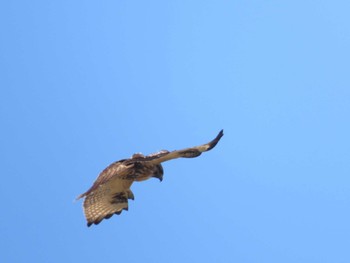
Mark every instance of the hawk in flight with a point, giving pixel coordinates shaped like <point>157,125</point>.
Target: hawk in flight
<point>110,192</point>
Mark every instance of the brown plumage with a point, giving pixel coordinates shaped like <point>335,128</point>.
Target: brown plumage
<point>110,192</point>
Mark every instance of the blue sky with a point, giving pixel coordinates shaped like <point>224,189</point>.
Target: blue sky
<point>86,83</point>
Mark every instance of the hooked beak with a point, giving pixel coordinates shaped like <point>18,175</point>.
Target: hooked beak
<point>159,176</point>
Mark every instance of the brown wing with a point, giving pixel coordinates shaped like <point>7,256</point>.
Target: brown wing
<point>109,194</point>
<point>192,152</point>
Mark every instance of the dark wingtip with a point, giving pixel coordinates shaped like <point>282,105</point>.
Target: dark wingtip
<point>108,216</point>
<point>216,140</point>
<point>97,221</point>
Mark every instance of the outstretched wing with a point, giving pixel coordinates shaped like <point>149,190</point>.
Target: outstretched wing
<point>192,152</point>
<point>109,194</point>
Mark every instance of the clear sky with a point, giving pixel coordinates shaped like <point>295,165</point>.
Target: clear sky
<point>86,83</point>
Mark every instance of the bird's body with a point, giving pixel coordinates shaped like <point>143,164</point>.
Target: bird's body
<point>110,192</point>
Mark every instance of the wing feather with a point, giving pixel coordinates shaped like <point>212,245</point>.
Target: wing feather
<point>110,192</point>
<point>108,199</point>
<point>108,195</point>
<point>184,153</point>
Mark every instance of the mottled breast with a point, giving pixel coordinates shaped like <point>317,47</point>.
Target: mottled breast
<point>140,171</point>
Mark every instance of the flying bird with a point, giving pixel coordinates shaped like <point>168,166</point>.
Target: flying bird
<point>110,192</point>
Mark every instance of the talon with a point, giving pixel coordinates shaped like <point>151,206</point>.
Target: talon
<point>130,195</point>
